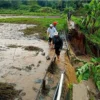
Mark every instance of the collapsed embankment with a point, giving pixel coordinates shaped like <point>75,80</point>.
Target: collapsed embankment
<point>84,66</point>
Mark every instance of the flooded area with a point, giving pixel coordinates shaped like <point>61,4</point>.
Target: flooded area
<point>21,66</point>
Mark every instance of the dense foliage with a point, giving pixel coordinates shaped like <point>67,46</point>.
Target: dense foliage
<point>89,22</point>
<point>36,5</point>
<point>90,70</point>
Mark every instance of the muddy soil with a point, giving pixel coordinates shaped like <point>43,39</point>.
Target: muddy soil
<point>88,84</point>
<point>53,77</point>
<point>19,66</point>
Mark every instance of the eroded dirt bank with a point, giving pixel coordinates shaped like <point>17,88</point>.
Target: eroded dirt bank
<point>86,88</point>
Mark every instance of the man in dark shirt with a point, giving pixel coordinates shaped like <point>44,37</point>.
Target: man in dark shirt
<point>58,43</point>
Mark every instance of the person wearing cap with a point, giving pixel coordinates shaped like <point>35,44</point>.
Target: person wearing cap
<point>50,31</point>
<point>58,43</point>
<point>54,24</point>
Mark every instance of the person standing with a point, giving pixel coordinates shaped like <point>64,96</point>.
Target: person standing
<point>54,24</point>
<point>58,43</point>
<point>50,31</point>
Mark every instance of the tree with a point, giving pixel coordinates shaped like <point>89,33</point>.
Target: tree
<point>15,4</point>
<point>91,17</point>
<point>5,4</point>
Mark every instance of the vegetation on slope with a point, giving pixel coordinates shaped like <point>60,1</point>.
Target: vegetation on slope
<point>89,24</point>
<point>90,70</point>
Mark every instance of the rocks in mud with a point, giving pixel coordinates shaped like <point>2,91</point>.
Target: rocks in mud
<point>33,48</point>
<point>43,53</point>
<point>38,63</point>
<point>28,68</point>
<point>22,94</point>
<point>32,65</point>
<point>47,58</point>
<point>37,53</point>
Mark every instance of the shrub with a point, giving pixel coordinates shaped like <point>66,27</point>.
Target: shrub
<point>67,9</point>
<point>34,8</point>
<point>24,7</point>
<point>46,10</point>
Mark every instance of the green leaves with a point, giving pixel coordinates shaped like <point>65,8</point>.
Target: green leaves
<point>98,84</point>
<point>96,71</point>
<point>84,72</point>
<point>95,60</point>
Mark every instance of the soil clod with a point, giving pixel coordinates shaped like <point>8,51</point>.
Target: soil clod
<point>43,53</point>
<point>47,57</point>
<point>8,92</point>
<point>33,48</point>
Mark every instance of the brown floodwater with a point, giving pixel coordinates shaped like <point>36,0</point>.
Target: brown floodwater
<point>21,66</point>
<point>26,68</point>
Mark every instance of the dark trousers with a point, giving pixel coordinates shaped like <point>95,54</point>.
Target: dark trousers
<point>57,51</point>
<point>50,39</point>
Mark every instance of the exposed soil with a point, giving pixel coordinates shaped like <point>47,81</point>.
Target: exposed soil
<point>78,61</point>
<point>53,76</point>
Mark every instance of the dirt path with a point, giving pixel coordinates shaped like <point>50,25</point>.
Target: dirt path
<point>65,65</point>
<point>19,16</point>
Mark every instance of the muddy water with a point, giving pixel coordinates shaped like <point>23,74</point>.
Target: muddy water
<point>18,65</point>
<point>13,31</point>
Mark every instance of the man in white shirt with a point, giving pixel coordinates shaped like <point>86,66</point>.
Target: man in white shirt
<point>50,31</point>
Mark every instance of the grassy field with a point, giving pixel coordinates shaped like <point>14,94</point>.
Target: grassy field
<point>42,24</point>
<point>26,12</point>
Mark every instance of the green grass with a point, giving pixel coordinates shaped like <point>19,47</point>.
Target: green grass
<point>26,12</point>
<point>42,24</point>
